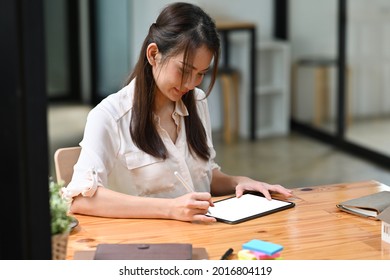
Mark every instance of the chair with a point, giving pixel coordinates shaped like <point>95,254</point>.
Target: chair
<point>64,160</point>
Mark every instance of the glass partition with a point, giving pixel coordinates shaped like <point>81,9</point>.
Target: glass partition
<point>58,59</point>
<point>368,44</point>
<point>313,39</point>
<point>349,108</point>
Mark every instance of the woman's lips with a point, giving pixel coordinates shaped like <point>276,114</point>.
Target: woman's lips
<point>181,92</point>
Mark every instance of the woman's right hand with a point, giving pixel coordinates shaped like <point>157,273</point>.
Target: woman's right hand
<point>192,207</point>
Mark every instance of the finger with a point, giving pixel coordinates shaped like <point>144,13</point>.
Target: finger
<point>239,192</point>
<point>282,190</point>
<point>202,196</point>
<point>202,200</point>
<point>266,194</point>
<point>201,205</point>
<point>287,192</point>
<point>204,218</point>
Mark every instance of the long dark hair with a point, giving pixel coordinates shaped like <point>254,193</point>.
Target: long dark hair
<point>179,27</point>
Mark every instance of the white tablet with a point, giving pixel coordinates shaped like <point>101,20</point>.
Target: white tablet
<point>235,210</point>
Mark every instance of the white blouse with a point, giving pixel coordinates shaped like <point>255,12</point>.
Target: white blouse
<point>110,159</point>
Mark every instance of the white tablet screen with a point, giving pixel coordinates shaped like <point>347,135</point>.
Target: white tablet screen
<point>248,206</point>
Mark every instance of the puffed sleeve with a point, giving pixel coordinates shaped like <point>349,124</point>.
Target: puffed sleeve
<point>99,148</point>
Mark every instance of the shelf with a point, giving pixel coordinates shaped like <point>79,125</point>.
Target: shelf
<point>273,45</point>
<point>272,89</point>
<point>269,90</point>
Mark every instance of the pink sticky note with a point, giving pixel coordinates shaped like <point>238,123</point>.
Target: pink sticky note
<point>264,256</point>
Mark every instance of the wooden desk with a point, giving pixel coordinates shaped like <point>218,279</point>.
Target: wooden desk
<point>313,229</point>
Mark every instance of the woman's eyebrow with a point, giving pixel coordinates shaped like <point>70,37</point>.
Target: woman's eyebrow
<point>193,67</point>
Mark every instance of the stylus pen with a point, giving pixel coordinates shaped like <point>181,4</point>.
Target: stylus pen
<point>227,254</point>
<point>178,176</point>
<point>189,189</point>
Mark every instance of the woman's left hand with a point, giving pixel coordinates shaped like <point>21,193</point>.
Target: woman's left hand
<point>248,184</point>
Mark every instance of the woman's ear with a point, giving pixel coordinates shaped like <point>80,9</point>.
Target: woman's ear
<point>151,53</point>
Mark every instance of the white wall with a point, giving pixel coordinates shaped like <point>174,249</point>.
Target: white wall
<point>313,32</point>
<point>144,13</point>
<point>260,12</point>
<point>313,27</point>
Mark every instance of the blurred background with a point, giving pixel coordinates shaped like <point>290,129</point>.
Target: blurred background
<point>314,92</point>
<point>91,46</point>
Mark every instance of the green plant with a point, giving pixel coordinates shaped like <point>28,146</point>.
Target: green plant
<point>60,221</point>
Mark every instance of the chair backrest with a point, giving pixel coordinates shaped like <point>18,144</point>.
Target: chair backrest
<point>64,160</point>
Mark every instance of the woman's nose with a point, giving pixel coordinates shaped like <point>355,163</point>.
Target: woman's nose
<point>189,84</point>
<point>192,82</point>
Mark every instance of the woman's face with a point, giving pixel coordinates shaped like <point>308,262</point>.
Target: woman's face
<point>168,76</point>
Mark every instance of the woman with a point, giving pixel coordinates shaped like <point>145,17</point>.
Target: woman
<point>147,150</point>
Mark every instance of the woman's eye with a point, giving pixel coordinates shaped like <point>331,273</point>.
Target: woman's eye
<point>185,71</point>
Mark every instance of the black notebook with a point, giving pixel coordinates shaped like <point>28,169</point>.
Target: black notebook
<point>367,206</point>
<point>156,251</point>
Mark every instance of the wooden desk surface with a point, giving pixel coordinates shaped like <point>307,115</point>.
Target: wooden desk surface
<point>314,229</point>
